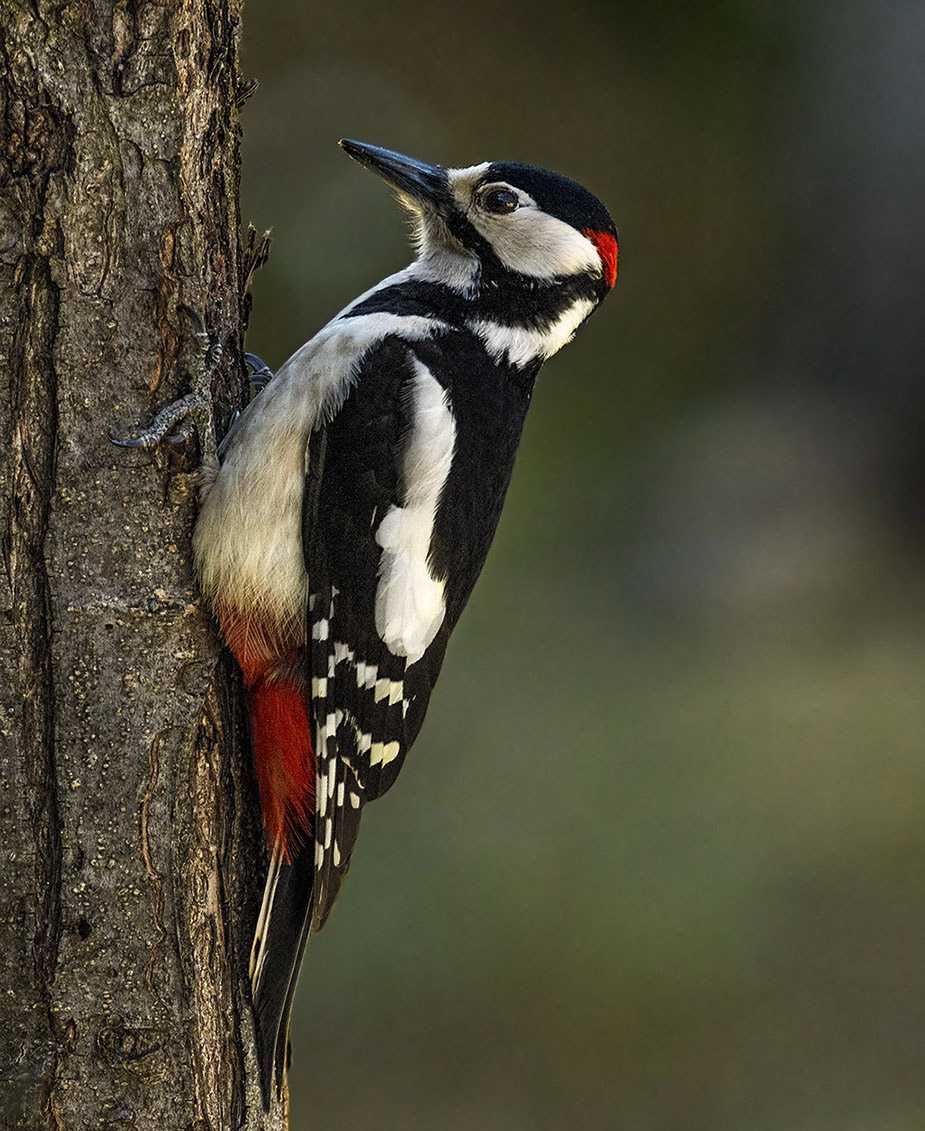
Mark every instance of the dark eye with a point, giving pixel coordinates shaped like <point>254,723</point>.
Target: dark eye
<point>499,200</point>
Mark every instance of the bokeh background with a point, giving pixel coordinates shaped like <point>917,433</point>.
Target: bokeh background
<point>656,861</point>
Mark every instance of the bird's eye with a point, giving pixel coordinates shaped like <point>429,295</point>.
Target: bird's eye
<point>499,200</point>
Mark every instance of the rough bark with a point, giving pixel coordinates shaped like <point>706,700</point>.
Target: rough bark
<point>130,848</point>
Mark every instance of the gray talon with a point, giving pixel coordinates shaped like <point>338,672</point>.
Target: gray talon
<point>260,373</point>
<point>169,415</point>
<point>194,410</point>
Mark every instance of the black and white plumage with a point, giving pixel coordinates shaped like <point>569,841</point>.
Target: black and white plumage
<point>357,499</point>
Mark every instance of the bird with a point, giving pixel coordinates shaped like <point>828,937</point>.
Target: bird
<point>357,496</point>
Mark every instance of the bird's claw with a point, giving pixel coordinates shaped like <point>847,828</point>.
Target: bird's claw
<point>192,412</point>
<point>170,415</point>
<point>260,374</point>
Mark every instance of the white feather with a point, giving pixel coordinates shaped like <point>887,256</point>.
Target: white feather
<point>409,600</point>
<point>259,947</point>
<point>522,344</point>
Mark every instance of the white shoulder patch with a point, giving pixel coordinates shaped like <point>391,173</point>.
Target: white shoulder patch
<point>410,604</point>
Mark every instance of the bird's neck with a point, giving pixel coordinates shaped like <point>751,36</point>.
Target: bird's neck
<point>521,320</point>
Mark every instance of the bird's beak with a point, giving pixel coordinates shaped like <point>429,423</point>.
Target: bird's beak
<point>426,184</point>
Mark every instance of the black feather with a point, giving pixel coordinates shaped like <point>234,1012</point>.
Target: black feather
<point>285,938</point>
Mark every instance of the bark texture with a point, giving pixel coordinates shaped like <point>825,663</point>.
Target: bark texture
<point>130,851</point>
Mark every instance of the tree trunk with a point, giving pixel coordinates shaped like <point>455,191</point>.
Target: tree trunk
<point>131,850</point>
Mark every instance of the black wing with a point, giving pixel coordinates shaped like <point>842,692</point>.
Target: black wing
<point>368,704</point>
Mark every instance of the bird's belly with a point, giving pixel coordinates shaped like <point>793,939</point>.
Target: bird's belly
<point>247,544</point>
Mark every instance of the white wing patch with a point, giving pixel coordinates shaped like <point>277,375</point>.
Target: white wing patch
<point>384,752</point>
<point>410,604</point>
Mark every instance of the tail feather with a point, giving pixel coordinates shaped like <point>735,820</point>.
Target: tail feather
<point>259,947</point>
<point>279,945</point>
<point>273,661</point>
<point>285,765</point>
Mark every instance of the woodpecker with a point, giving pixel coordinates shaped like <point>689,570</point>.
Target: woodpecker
<point>358,493</point>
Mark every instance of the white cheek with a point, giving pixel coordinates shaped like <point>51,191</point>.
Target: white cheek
<point>536,244</point>
<point>528,240</point>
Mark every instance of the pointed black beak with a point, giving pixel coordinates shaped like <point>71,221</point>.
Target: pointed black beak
<point>425,183</point>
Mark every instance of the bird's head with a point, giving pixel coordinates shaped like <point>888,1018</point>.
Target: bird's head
<point>515,222</point>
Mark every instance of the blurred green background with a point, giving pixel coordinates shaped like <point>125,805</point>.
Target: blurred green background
<point>656,861</point>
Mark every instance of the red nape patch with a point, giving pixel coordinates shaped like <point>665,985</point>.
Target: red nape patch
<point>284,761</point>
<point>606,244</point>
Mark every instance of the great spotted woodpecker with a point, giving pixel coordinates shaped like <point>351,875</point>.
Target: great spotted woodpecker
<point>355,504</point>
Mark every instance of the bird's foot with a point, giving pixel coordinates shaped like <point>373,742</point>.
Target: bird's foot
<point>260,374</point>
<point>193,412</point>
<point>191,407</point>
